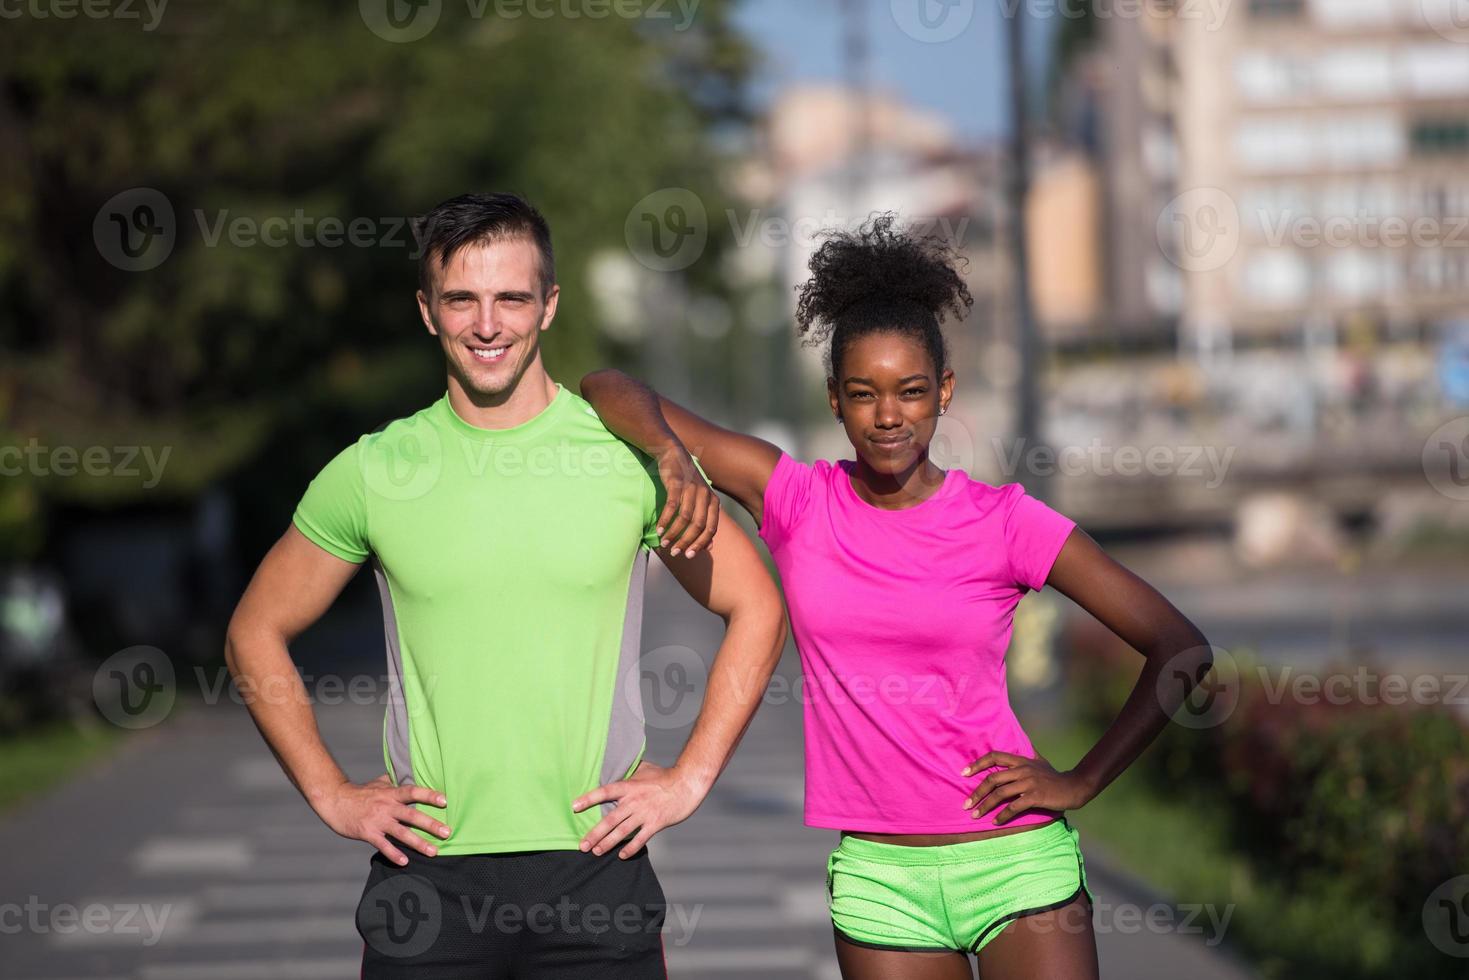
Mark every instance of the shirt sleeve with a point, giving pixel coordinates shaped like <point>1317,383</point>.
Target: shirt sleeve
<point>1034,534</point>
<point>660,497</point>
<point>787,494</point>
<point>333,511</point>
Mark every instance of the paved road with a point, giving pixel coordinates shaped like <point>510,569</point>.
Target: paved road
<point>188,855</point>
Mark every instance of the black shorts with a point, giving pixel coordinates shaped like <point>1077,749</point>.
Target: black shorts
<point>558,915</point>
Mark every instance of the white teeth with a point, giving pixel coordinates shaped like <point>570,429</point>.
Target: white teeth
<point>488,354</point>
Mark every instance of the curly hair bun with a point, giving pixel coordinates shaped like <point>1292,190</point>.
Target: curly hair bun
<point>880,278</point>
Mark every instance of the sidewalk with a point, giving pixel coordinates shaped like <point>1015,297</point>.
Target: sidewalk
<point>207,865</point>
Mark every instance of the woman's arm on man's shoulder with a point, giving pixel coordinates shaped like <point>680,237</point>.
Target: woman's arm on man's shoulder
<point>737,464</point>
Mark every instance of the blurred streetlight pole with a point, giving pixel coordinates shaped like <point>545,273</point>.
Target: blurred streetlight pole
<point>1027,405</point>
<point>855,62</point>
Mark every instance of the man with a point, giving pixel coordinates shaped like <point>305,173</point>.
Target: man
<point>509,532</point>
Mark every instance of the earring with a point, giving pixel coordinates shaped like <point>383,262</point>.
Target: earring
<point>943,410</point>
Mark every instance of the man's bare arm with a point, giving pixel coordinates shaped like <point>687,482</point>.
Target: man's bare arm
<point>735,586</point>
<point>729,580</point>
<point>293,587</point>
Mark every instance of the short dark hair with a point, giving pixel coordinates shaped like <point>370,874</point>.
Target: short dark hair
<point>478,219</point>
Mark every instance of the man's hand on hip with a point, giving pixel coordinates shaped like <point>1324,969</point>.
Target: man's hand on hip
<point>376,811</point>
<point>649,800</point>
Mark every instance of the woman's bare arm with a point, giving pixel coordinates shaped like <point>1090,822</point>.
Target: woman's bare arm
<point>738,464</point>
<point>1150,624</point>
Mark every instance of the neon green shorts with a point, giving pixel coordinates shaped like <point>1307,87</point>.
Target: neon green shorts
<point>953,896</point>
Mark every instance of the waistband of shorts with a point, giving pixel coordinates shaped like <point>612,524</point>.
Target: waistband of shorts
<point>984,849</point>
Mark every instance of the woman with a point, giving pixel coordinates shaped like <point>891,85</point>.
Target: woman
<point>901,581</point>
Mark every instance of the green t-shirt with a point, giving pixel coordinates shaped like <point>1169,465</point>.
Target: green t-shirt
<point>510,563</point>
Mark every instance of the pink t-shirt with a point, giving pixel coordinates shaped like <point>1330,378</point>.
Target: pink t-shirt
<point>902,619</point>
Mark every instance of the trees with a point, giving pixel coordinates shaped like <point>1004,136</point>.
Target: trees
<point>203,223</point>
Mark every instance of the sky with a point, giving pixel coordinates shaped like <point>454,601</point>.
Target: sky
<point>944,55</point>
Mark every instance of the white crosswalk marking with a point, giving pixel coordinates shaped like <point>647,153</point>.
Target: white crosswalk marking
<point>722,855</point>
<point>198,855</point>
<point>240,929</point>
<point>204,822</point>
<point>258,774</point>
<point>742,960</point>
<point>272,896</point>
<point>247,866</point>
<point>334,968</point>
<point>127,922</point>
<point>341,863</point>
<point>728,885</point>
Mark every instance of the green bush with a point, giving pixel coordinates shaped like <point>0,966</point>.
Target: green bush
<point>1344,802</point>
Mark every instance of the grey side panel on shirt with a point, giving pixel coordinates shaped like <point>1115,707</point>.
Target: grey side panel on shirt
<point>625,726</point>
<point>395,724</point>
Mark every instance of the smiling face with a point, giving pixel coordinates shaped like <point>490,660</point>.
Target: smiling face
<point>888,395</point>
<point>488,311</point>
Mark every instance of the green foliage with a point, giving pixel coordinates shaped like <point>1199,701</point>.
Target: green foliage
<point>33,762</point>
<point>258,109</point>
<point>1348,810</point>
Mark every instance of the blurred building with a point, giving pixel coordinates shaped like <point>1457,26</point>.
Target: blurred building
<point>1283,245</point>
<point>817,171</point>
<point>1120,102</point>
<point>1280,167</point>
<point>1339,131</point>
<point>1063,214</point>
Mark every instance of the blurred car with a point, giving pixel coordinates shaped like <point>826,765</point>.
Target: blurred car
<point>1453,363</point>
<point>42,678</point>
